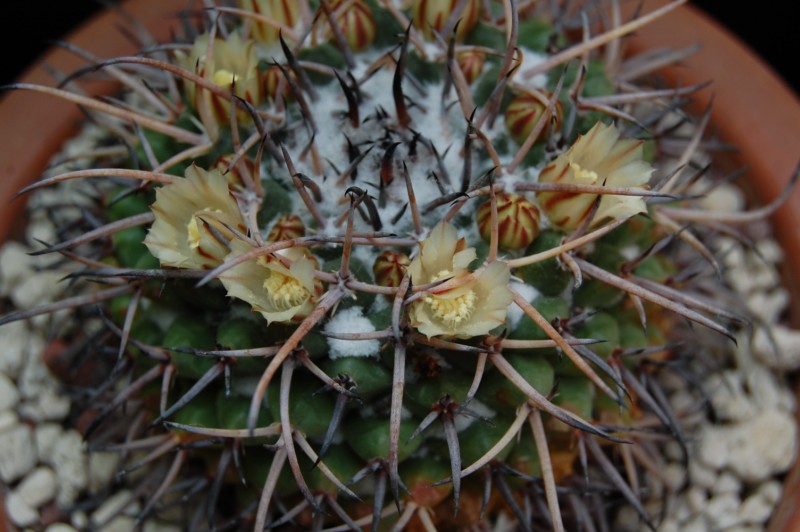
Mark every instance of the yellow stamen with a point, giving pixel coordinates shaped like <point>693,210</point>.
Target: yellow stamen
<point>193,229</point>
<point>452,311</point>
<point>581,173</point>
<point>193,233</point>
<point>284,291</point>
<point>224,78</point>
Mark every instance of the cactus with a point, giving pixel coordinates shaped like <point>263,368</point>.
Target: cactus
<point>356,298</point>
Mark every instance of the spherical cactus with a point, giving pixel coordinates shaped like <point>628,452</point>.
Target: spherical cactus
<point>323,332</point>
<point>517,221</point>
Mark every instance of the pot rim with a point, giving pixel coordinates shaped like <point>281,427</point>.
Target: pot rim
<point>43,123</point>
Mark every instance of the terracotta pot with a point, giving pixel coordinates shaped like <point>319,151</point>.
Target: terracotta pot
<point>753,109</point>
<point>42,123</point>
<point>756,111</point>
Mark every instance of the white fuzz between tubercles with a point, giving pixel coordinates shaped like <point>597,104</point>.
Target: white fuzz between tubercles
<point>351,320</point>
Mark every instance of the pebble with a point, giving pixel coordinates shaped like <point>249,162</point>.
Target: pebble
<point>697,524</point>
<point>669,525</point>
<point>34,376</point>
<point>70,462</point>
<point>768,305</point>
<point>102,468</point>
<point>46,436</point>
<point>122,501</point>
<point>675,475</point>
<point>696,499</point>
<point>17,453</point>
<point>784,354</point>
<point>40,229</point>
<point>763,447</point>
<point>771,491</point>
<point>723,197</point>
<point>60,527</point>
<point>8,419</point>
<point>19,512</point>
<point>683,401</point>
<point>748,273</point>
<point>770,250</point>
<point>627,520</point>
<point>9,396</point>
<point>155,526</point>
<point>681,511</point>
<point>728,398</point>
<point>721,510</point>
<point>727,483</point>
<point>712,452</point>
<point>15,339</point>
<point>121,523</point>
<point>38,487</point>
<point>766,391</point>
<point>79,520</point>
<point>673,451</point>
<point>15,264</point>
<point>46,406</point>
<point>37,290</point>
<point>755,509</point>
<point>702,476</point>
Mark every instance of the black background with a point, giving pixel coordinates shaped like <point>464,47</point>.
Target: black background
<point>767,26</point>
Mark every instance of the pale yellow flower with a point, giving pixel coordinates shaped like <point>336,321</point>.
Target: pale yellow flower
<point>598,158</point>
<point>232,63</point>
<point>471,309</point>
<point>195,220</point>
<point>279,292</point>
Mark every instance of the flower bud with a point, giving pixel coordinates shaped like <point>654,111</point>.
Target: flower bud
<point>233,66</point>
<point>234,173</point>
<point>517,221</point>
<point>285,13</point>
<point>471,64</point>
<point>524,111</point>
<point>432,15</point>
<point>390,268</point>
<point>286,227</point>
<point>355,19</point>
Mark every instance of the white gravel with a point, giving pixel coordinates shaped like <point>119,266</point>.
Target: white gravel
<point>750,436</point>
<point>17,453</point>
<point>38,487</point>
<point>71,464</point>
